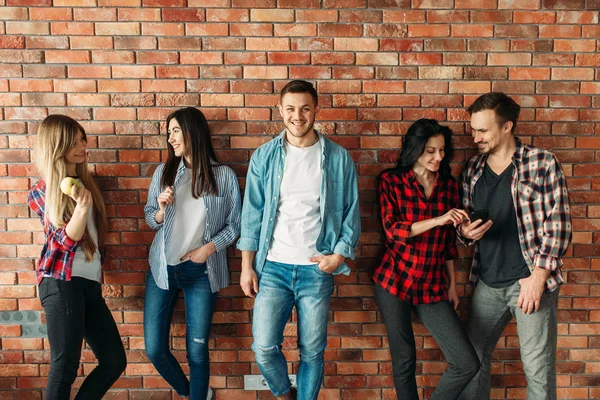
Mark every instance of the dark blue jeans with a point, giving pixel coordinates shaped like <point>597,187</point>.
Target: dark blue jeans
<point>159,304</point>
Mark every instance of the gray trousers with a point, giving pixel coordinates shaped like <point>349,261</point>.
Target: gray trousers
<point>491,310</point>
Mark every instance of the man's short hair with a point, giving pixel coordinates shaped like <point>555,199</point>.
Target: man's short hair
<point>505,108</point>
<point>300,86</point>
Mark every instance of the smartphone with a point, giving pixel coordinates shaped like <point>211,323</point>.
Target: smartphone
<point>483,215</point>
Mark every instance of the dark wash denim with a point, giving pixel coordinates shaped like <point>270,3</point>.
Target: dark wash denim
<point>159,304</point>
<point>75,310</point>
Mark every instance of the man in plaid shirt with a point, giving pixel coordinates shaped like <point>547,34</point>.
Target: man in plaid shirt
<point>517,259</point>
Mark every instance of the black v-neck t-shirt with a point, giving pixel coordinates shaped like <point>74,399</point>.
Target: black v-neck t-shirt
<point>502,262</point>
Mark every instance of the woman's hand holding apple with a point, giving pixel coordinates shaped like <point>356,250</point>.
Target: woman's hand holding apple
<point>82,197</point>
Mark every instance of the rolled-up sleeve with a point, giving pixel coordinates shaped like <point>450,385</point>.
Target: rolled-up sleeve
<point>396,229</point>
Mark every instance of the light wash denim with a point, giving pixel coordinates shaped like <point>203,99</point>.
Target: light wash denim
<point>159,304</point>
<point>340,214</point>
<point>491,310</point>
<point>222,225</point>
<point>282,286</point>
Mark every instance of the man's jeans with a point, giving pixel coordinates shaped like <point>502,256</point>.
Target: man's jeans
<point>282,286</point>
<point>491,310</point>
<point>159,304</point>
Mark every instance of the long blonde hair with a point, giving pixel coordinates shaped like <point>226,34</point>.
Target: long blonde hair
<point>56,136</point>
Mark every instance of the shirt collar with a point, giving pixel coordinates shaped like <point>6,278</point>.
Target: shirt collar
<point>181,165</point>
<point>281,138</point>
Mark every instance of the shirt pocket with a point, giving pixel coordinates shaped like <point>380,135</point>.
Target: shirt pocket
<point>335,197</point>
<point>529,191</point>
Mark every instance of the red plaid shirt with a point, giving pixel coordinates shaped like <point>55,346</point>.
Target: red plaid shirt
<point>541,201</point>
<point>414,268</point>
<point>59,250</point>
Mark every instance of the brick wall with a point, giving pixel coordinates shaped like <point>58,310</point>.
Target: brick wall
<point>120,66</point>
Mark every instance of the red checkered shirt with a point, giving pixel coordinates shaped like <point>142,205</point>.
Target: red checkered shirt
<point>541,201</point>
<point>57,255</point>
<point>414,268</point>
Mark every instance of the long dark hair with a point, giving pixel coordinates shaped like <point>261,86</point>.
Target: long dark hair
<point>414,145</point>
<point>196,136</point>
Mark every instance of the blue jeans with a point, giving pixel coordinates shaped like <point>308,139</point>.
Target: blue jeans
<point>159,304</point>
<point>281,286</point>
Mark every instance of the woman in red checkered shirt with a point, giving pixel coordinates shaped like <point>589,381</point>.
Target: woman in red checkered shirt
<point>69,270</point>
<point>419,210</point>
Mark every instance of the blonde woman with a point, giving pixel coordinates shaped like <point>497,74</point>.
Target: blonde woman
<point>69,269</point>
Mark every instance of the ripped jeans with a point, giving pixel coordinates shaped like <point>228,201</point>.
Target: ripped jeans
<point>280,287</point>
<point>159,304</point>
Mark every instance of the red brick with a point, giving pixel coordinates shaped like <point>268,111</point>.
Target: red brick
<point>95,14</point>
<point>519,4</point>
<point>290,30</point>
<point>27,28</point>
<point>132,14</point>
<point>221,15</point>
<point>118,28</point>
<point>164,3</point>
<point>312,44</point>
<point>136,43</point>
<point>340,58</point>
<point>398,100</point>
<point>260,72</point>
<point>529,73</point>
<point>361,44</point>
<point>288,58</point>
<point>333,29</point>
<point>272,15</point>
<point>249,29</point>
<point>183,15</point>
<point>472,30</point>
<point>376,59</point>
<point>15,13</point>
<point>558,31</point>
<point>316,15</point>
<point>428,30</point>
<point>579,74</point>
<point>162,29</point>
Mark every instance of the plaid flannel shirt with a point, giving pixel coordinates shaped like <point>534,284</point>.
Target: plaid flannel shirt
<point>541,201</point>
<point>58,252</point>
<point>414,268</point>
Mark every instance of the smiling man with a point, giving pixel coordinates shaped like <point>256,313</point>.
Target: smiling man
<point>517,260</point>
<point>300,222</point>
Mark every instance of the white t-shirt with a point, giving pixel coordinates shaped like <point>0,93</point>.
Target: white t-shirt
<point>81,267</point>
<point>189,222</point>
<point>298,218</point>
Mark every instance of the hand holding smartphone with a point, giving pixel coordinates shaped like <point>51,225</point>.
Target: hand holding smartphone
<point>482,214</point>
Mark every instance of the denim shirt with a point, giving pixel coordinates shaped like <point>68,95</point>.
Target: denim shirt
<point>222,225</point>
<point>340,214</point>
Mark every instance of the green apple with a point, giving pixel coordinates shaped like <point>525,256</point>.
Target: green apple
<point>66,185</point>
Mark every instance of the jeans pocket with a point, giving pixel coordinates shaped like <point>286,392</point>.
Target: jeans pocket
<point>48,287</point>
<point>319,271</point>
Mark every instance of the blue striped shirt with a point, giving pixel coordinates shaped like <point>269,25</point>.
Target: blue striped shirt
<point>222,228</point>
